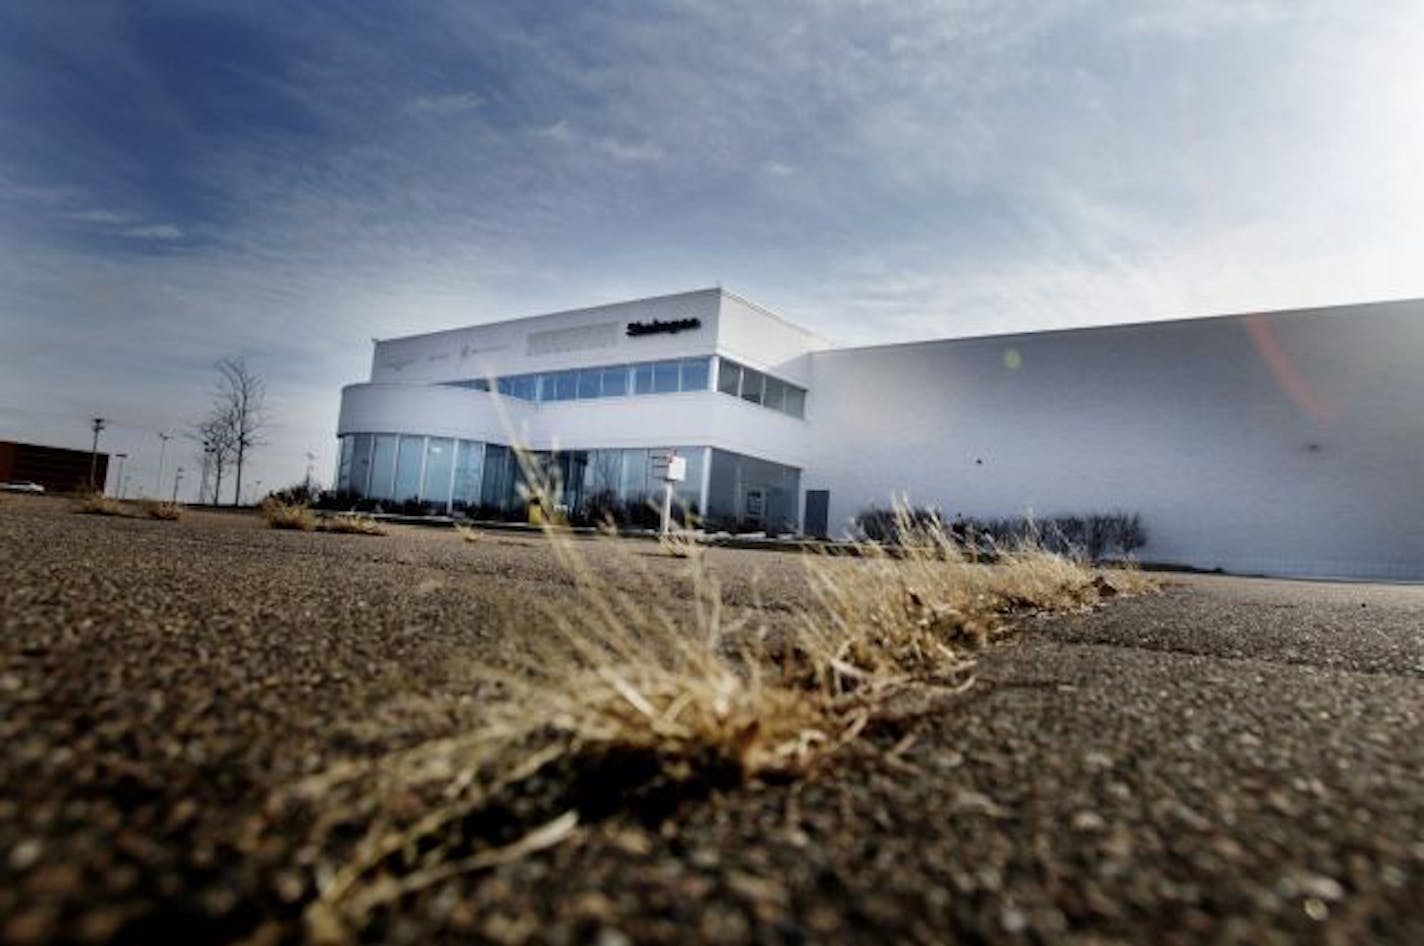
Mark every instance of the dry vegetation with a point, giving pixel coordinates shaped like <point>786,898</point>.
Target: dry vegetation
<point>97,504</point>
<point>280,515</point>
<point>682,543</point>
<point>351,523</point>
<point>617,704</point>
<point>158,509</point>
<point>469,533</point>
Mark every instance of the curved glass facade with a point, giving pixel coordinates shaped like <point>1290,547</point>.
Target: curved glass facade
<point>418,473</point>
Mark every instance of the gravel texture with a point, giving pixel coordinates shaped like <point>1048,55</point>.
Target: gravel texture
<point>1235,761</point>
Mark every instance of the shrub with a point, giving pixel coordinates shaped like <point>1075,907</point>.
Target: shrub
<point>280,515</point>
<point>1094,537</point>
<point>298,494</point>
<point>889,525</point>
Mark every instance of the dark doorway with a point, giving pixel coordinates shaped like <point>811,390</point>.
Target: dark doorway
<point>818,510</point>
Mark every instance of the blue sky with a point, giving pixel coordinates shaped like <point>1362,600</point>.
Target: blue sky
<point>181,182</point>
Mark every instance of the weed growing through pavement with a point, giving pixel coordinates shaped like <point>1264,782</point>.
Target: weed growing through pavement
<point>610,700</point>
<point>158,509</point>
<point>469,533</point>
<point>280,515</point>
<point>351,523</point>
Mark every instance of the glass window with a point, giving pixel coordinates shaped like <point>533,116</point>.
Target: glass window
<point>694,373</point>
<point>729,377</point>
<point>615,381</point>
<point>774,395</point>
<point>752,385</point>
<point>504,386</point>
<point>747,493</point>
<point>408,465</point>
<point>469,464</point>
<point>565,386</point>
<point>590,382</point>
<point>665,376</point>
<point>795,401</point>
<point>497,483</point>
<point>633,489</point>
<point>643,378</point>
<point>383,465</point>
<point>439,465</point>
<point>360,464</point>
<point>343,464</point>
<point>524,386</point>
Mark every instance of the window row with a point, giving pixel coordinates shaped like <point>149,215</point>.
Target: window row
<point>758,388</point>
<point>644,377</point>
<point>419,474</point>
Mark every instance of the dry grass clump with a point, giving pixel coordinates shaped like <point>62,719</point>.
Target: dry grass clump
<point>469,533</point>
<point>1126,579</point>
<point>97,504</point>
<point>917,610</point>
<point>351,523</point>
<point>158,509</point>
<point>280,515</point>
<point>683,543</point>
<point>607,699</point>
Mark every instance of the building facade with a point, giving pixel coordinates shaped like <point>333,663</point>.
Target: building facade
<point>1281,443</point>
<point>57,469</point>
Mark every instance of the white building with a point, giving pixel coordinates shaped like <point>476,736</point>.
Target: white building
<point>1285,443</point>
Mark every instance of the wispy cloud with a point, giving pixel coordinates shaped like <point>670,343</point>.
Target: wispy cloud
<point>155,231</point>
<point>288,181</point>
<point>447,104</point>
<point>100,215</point>
<point>630,150</point>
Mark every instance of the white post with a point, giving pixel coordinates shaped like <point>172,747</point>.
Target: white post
<point>667,506</point>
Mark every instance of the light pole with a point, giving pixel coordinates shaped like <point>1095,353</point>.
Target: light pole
<point>161,451</point>
<point>258,494</point>
<point>98,425</point>
<point>119,477</point>
<point>177,478</point>
<point>203,483</point>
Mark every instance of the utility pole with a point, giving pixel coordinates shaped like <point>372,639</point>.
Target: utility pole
<point>311,458</point>
<point>119,479</point>
<point>203,483</point>
<point>98,425</point>
<point>161,451</point>
<point>177,478</point>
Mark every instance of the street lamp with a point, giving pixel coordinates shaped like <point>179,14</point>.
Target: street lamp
<point>161,451</point>
<point>98,425</point>
<point>203,483</point>
<point>119,477</point>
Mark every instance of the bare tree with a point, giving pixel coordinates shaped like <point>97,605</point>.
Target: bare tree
<point>239,400</point>
<point>219,443</point>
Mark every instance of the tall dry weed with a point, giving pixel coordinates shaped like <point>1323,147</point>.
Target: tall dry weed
<point>280,515</point>
<point>606,695</point>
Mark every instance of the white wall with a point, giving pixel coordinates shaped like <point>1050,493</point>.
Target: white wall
<point>577,338</point>
<point>762,340</point>
<point>1289,443</point>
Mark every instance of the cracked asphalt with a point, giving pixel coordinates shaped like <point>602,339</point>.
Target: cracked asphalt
<point>1236,760</point>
